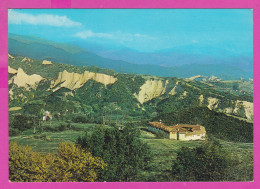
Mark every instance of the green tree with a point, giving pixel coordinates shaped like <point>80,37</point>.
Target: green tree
<point>236,86</point>
<point>123,150</point>
<point>23,122</point>
<point>208,162</point>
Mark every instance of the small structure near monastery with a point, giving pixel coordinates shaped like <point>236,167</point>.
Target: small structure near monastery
<point>46,115</point>
<point>179,131</point>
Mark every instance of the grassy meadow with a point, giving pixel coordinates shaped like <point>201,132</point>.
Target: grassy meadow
<point>165,150</point>
<point>48,141</point>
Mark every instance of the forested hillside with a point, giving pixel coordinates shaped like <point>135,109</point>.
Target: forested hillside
<point>35,86</point>
<point>217,124</point>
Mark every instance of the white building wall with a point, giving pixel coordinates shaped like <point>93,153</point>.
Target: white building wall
<point>194,137</point>
<point>172,135</point>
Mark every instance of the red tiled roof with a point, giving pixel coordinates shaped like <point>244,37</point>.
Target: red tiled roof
<point>181,128</point>
<point>161,126</point>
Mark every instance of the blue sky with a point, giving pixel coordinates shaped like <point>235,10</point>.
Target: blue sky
<point>144,30</point>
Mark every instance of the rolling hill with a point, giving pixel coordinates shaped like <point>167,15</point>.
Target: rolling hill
<point>32,81</point>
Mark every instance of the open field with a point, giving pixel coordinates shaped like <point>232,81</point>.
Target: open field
<point>47,141</point>
<point>165,150</point>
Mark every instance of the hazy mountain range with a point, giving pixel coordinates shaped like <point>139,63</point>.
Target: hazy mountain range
<point>184,61</point>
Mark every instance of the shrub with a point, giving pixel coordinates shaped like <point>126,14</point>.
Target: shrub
<point>13,131</point>
<point>70,164</point>
<point>80,119</point>
<point>23,122</point>
<point>160,134</point>
<point>49,128</point>
<point>62,128</point>
<point>208,162</point>
<point>76,164</point>
<point>41,136</point>
<point>244,171</point>
<point>26,165</point>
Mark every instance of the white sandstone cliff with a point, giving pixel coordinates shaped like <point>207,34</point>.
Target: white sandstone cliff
<point>21,79</point>
<point>151,89</point>
<point>75,80</point>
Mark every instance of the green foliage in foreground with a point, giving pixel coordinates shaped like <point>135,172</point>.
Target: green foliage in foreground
<point>208,162</point>
<point>217,124</point>
<point>163,151</point>
<point>20,122</point>
<point>70,164</point>
<point>123,150</point>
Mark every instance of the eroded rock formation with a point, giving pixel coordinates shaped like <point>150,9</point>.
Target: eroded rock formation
<point>21,79</point>
<point>75,80</point>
